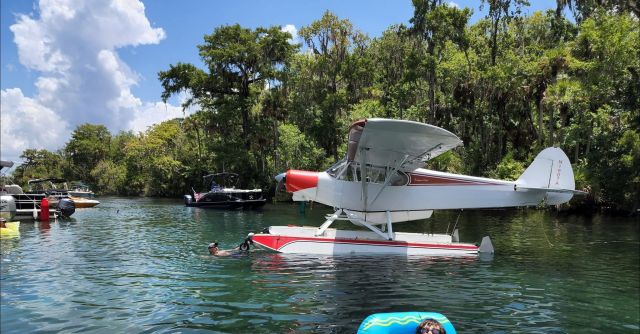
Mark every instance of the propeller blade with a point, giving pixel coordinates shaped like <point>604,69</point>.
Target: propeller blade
<point>282,180</point>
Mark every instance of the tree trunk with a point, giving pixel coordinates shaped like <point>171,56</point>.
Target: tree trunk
<point>540,119</point>
<point>494,42</point>
<point>244,109</point>
<point>551,128</point>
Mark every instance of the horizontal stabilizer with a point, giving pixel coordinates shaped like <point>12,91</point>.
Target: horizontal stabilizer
<point>553,190</point>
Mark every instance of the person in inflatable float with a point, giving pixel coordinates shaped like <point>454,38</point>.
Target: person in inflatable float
<point>430,326</point>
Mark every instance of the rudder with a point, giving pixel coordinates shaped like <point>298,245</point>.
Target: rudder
<point>551,169</point>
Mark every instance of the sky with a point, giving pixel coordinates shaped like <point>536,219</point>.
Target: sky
<point>69,62</point>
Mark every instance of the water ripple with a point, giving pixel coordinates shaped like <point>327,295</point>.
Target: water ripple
<point>141,265</point>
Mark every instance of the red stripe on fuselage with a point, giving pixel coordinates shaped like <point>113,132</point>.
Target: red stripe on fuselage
<point>432,180</point>
<point>276,242</point>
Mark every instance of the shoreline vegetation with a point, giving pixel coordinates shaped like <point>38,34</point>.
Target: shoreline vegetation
<point>508,85</point>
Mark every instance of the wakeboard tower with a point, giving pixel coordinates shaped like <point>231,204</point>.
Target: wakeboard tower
<point>380,182</point>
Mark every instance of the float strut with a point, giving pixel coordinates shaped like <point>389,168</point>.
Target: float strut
<point>327,223</point>
<point>389,227</point>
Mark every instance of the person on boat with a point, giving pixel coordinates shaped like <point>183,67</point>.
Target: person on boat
<point>215,186</point>
<point>430,326</point>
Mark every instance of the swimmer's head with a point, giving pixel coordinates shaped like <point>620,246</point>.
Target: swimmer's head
<point>213,247</point>
<point>430,326</point>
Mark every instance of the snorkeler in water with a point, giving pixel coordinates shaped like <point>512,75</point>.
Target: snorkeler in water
<point>215,250</point>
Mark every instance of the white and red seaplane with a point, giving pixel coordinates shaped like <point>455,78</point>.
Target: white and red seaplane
<point>380,183</point>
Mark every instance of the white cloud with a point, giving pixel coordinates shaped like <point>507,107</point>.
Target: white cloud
<point>149,112</point>
<point>27,124</point>
<point>73,47</point>
<point>290,28</point>
<point>453,4</point>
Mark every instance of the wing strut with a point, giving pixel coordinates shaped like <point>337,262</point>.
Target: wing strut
<point>389,228</point>
<point>388,178</point>
<point>427,153</point>
<point>363,176</point>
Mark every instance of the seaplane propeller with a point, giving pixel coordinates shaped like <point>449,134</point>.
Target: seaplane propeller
<point>281,179</point>
<point>381,182</point>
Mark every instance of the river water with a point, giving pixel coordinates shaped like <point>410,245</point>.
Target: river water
<point>141,265</point>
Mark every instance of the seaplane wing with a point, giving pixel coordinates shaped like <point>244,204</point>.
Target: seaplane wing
<point>389,143</point>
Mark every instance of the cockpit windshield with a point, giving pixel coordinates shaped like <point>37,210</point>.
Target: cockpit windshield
<point>350,171</point>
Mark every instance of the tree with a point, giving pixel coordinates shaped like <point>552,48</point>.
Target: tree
<point>38,164</point>
<point>332,41</point>
<point>89,145</point>
<point>390,54</point>
<point>237,59</point>
<point>500,14</point>
<point>434,24</point>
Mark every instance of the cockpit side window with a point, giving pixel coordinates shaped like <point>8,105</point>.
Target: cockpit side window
<point>349,171</point>
<point>399,179</point>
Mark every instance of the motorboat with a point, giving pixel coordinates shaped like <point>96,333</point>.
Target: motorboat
<point>80,189</point>
<point>15,203</point>
<point>56,188</point>
<point>222,193</point>
<point>83,202</point>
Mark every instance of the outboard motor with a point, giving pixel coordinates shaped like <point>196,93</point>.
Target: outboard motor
<point>7,207</point>
<point>188,200</point>
<point>66,207</point>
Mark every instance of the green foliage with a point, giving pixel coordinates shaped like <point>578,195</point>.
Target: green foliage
<point>508,169</point>
<point>38,164</point>
<point>509,85</point>
<point>89,144</point>
<point>110,178</point>
<point>296,151</point>
<point>450,162</point>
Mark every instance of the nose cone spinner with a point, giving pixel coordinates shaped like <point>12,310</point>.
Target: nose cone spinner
<point>297,180</point>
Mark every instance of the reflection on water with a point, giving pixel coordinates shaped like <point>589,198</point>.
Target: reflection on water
<point>141,265</point>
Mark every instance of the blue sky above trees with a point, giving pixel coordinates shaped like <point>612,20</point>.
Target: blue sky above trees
<point>69,62</point>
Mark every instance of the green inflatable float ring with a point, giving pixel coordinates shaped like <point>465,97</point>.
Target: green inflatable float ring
<point>401,323</point>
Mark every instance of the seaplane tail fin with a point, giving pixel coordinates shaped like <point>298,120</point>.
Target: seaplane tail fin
<point>549,172</point>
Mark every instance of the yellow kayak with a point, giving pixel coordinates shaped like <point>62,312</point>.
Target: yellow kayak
<point>12,229</point>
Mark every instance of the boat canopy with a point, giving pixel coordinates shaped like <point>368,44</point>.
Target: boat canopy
<point>6,164</point>
<point>46,184</point>
<point>50,179</point>
<point>224,179</point>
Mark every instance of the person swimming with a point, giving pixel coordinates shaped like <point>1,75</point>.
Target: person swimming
<point>216,251</point>
<point>243,247</point>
